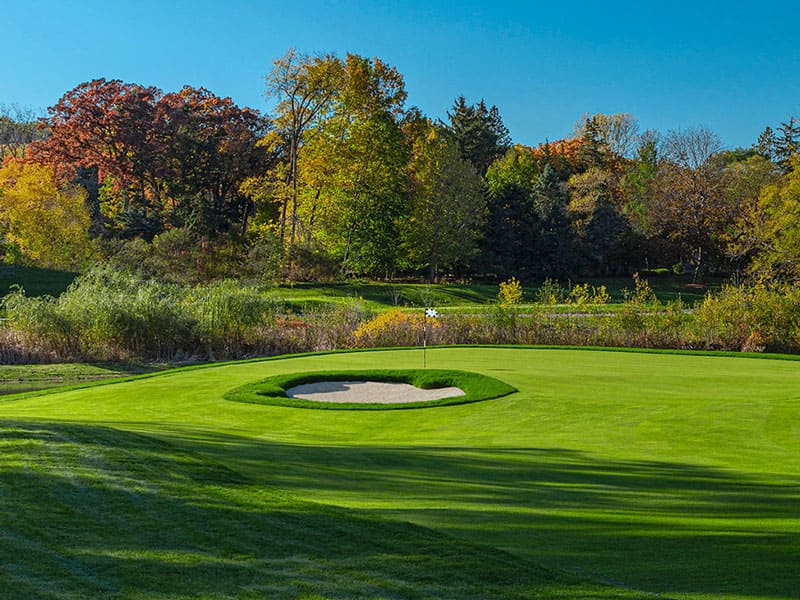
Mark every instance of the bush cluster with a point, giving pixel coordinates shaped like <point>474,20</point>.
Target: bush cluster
<point>752,318</point>
<point>110,315</point>
<point>117,315</point>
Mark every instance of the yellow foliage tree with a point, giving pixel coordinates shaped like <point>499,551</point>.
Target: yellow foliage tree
<point>45,218</point>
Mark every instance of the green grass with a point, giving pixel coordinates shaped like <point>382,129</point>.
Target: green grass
<point>23,378</point>
<point>671,474</point>
<point>377,296</point>
<point>476,387</point>
<point>311,297</point>
<point>34,280</point>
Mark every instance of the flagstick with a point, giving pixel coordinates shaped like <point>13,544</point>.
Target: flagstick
<point>429,312</point>
<point>425,340</point>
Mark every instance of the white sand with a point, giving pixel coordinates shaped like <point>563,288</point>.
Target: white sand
<point>369,392</point>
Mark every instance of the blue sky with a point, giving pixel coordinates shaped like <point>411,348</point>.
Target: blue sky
<point>733,67</point>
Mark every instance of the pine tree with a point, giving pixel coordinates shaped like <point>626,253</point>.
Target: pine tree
<point>553,244</point>
<point>780,146</point>
<point>480,132</point>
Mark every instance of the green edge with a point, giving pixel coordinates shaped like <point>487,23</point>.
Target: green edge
<point>272,390</point>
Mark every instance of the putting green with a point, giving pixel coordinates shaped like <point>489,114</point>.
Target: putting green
<point>668,473</point>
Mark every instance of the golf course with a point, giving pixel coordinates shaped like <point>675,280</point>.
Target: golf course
<point>605,475</point>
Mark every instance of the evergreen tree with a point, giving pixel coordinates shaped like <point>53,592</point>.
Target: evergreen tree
<point>553,242</point>
<point>593,151</point>
<point>480,132</point>
<point>507,248</point>
<point>781,146</point>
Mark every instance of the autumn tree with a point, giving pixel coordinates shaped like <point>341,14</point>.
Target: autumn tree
<point>618,132</point>
<point>18,128</point>
<point>448,209</point>
<point>45,218</point>
<point>152,157</point>
<point>691,206</point>
<point>352,187</point>
<point>566,156</point>
<point>103,129</point>
<point>304,87</point>
<point>211,146</point>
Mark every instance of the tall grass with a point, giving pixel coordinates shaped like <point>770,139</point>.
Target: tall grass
<point>114,315</point>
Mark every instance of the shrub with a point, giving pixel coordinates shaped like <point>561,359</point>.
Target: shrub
<point>642,294</point>
<point>754,318</point>
<point>583,294</point>
<point>510,293</point>
<point>393,328</point>
<point>550,293</point>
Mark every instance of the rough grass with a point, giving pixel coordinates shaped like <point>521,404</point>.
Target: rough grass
<point>673,474</point>
<point>272,390</point>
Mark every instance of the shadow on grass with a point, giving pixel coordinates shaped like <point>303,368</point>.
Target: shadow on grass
<point>664,527</point>
<point>90,511</point>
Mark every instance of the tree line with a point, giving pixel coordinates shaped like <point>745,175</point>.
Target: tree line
<point>343,178</point>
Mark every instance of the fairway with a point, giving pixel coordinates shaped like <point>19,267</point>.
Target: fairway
<point>606,475</point>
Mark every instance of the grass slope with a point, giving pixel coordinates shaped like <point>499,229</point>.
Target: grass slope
<point>34,280</point>
<point>309,297</point>
<point>673,474</point>
<point>26,378</point>
<point>90,511</point>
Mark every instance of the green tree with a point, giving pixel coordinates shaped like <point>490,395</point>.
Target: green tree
<point>553,243</point>
<point>363,197</point>
<point>744,180</point>
<point>595,218</point>
<point>304,87</point>
<point>480,132</point>
<point>352,180</point>
<point>448,209</point>
<point>507,247</point>
<point>783,145</point>
<point>638,183</point>
<point>770,229</point>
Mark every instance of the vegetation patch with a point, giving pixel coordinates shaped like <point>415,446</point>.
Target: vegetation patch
<point>273,389</point>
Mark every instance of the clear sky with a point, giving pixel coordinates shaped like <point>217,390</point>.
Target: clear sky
<point>731,66</point>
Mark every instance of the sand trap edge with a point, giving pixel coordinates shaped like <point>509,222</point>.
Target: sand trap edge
<point>272,390</point>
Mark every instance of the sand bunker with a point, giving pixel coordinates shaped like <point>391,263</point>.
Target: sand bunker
<point>369,392</point>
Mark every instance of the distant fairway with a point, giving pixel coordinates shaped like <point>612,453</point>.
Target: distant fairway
<point>607,473</point>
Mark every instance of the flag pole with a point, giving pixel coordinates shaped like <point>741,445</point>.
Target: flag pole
<point>429,312</point>
<point>425,340</point>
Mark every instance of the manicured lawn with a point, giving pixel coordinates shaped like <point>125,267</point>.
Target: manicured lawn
<point>667,473</point>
